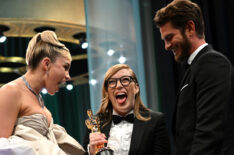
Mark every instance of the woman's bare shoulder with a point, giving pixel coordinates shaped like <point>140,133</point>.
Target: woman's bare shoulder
<point>9,107</point>
<point>10,92</point>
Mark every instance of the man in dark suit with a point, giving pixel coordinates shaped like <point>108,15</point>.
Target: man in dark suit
<point>142,132</point>
<point>203,120</point>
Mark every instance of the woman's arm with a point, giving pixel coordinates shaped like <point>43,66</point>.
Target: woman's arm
<point>9,109</point>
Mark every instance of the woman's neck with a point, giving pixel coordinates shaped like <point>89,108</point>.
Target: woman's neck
<point>34,80</point>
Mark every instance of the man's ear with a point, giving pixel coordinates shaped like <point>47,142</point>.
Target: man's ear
<point>46,63</point>
<point>190,28</point>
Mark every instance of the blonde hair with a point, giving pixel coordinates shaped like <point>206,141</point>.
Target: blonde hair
<point>106,107</point>
<point>45,44</point>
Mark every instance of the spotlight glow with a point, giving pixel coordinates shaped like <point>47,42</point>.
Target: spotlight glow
<point>110,52</point>
<point>93,82</point>
<point>69,87</point>
<point>44,91</point>
<point>84,45</point>
<point>2,39</point>
<point>122,60</point>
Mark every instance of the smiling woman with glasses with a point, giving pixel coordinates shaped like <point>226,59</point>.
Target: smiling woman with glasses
<point>123,117</point>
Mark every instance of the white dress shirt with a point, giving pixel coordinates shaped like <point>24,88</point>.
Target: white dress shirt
<point>120,137</point>
<point>193,55</point>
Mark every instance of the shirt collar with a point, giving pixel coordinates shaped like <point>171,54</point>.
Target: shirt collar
<point>193,55</point>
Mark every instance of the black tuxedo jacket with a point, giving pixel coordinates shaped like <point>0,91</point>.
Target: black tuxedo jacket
<point>203,122</point>
<point>148,137</point>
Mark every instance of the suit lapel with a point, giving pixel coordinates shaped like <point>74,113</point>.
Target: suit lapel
<point>137,133</point>
<point>204,50</point>
<point>106,129</point>
<point>185,79</point>
<point>182,85</point>
<point>187,73</point>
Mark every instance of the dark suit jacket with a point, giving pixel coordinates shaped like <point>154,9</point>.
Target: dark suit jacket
<point>148,137</point>
<point>203,107</point>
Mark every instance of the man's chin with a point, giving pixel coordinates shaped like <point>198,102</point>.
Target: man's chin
<point>177,59</point>
<point>181,59</point>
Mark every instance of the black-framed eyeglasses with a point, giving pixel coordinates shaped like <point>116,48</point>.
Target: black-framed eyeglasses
<point>124,80</point>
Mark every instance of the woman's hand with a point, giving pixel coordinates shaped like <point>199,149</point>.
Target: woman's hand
<point>96,141</point>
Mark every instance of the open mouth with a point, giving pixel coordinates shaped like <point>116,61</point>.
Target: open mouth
<point>121,98</point>
<point>174,50</point>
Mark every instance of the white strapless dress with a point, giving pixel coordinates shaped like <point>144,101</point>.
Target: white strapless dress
<point>33,136</point>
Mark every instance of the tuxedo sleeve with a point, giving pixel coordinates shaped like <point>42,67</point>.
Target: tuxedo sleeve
<point>213,87</point>
<point>161,138</point>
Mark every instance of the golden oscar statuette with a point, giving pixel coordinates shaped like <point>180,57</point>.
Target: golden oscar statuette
<point>93,123</point>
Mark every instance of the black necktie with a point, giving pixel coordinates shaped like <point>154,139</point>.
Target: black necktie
<point>185,65</point>
<point>117,119</point>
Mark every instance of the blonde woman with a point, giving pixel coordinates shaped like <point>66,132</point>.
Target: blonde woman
<point>26,124</point>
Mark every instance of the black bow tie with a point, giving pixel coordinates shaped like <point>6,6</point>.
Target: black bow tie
<point>117,119</point>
